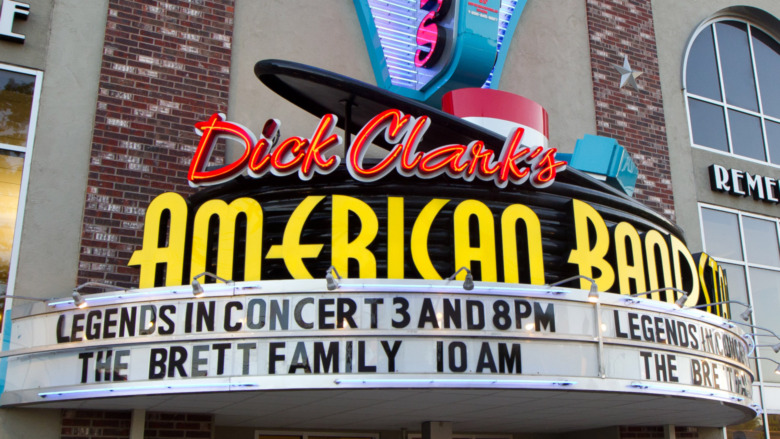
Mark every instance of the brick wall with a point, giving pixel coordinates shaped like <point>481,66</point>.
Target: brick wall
<point>165,67</point>
<point>173,425</point>
<point>95,424</point>
<point>634,118</point>
<point>100,424</point>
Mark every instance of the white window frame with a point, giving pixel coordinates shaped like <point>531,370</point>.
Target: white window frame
<point>745,264</point>
<point>723,104</point>
<point>28,153</point>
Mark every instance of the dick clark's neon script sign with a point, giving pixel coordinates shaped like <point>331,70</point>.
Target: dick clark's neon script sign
<point>515,163</point>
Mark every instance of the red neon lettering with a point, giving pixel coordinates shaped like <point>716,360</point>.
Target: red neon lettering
<point>509,158</point>
<point>291,147</point>
<point>394,123</point>
<point>403,131</point>
<point>449,156</point>
<point>210,131</point>
<point>480,161</point>
<point>545,171</point>
<point>410,146</point>
<point>319,143</point>
<point>260,159</point>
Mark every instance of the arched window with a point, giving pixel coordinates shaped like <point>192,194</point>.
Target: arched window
<point>733,91</point>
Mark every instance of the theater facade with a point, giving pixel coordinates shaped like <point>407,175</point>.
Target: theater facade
<point>390,219</point>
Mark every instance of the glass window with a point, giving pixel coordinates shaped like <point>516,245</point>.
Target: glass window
<point>746,136</point>
<point>761,242</point>
<point>18,111</point>
<point>702,72</point>
<point>11,164</point>
<point>763,288</point>
<point>753,279</point>
<point>731,70</point>
<point>773,139</point>
<point>709,125</point>
<point>768,67</point>
<point>16,98</point>
<point>735,63</point>
<point>721,234</point>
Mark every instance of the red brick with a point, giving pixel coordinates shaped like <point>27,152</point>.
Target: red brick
<point>131,176</point>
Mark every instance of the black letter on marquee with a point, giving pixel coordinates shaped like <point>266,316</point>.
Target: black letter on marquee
<point>273,357</point>
<point>244,348</point>
<point>166,319</point>
<point>60,326</point>
<point>127,321</point>
<point>324,313</point>
<point>220,348</point>
<point>486,358</point>
<point>507,361</point>
<point>178,357</point>
<point>299,313</point>
<point>391,353</point>
<point>157,360</point>
<point>205,317</point>
<point>228,314</point>
<point>322,360</point>
<point>346,309</point>
<point>374,303</point>
<point>84,357</point>
<point>471,306</point>
<point>545,318</point>
<point>403,311</point>
<point>362,358</point>
<point>460,346</point>
<point>427,315</point>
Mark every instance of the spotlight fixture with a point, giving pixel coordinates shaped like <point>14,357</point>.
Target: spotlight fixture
<point>593,294</point>
<point>744,316</point>
<point>678,303</point>
<point>758,327</point>
<point>197,288</point>
<point>330,280</point>
<point>79,301</point>
<point>468,283</point>
<point>775,347</point>
<point>777,369</point>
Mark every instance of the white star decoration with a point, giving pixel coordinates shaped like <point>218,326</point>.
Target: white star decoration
<point>627,75</point>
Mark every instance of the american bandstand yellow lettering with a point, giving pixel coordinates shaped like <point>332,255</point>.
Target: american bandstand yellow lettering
<point>506,244</point>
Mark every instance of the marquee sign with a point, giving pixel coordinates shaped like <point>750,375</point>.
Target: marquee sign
<point>422,49</point>
<point>297,334</point>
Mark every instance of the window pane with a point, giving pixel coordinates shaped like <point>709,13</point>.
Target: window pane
<point>773,139</point>
<point>16,95</point>
<point>746,137</point>
<point>767,54</point>
<point>736,65</point>
<point>11,164</point>
<point>708,125</point>
<point>761,243</point>
<point>735,274</point>
<point>702,69</point>
<point>721,234</point>
<point>764,286</point>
